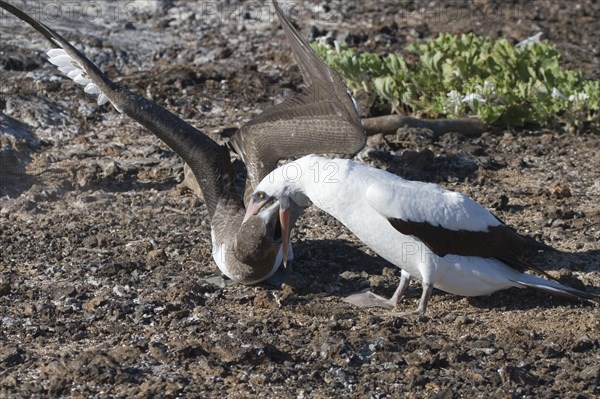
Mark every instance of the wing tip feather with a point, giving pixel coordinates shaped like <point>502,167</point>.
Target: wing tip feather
<point>73,70</point>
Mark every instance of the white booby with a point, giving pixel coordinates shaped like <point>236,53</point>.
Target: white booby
<point>318,119</point>
<point>442,238</point>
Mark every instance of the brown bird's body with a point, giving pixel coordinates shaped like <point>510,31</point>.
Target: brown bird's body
<point>321,119</point>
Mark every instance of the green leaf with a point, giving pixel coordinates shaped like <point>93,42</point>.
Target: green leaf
<point>517,85</point>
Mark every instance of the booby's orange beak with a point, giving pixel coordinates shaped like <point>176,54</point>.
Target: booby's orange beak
<point>284,220</point>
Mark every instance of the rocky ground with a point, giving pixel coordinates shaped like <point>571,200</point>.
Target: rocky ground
<point>103,255</point>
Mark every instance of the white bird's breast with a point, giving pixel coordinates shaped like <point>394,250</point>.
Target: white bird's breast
<point>219,251</point>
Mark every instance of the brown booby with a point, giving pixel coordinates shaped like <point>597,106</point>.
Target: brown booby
<point>442,238</point>
<point>320,119</point>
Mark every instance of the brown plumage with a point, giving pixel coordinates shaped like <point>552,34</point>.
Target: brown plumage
<point>316,121</point>
<point>322,119</point>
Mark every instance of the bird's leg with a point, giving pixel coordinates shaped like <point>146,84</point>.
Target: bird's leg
<point>399,293</point>
<point>370,300</point>
<point>425,295</point>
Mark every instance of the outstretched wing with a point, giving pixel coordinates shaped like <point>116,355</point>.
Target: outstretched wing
<point>209,161</point>
<point>313,68</point>
<point>322,119</point>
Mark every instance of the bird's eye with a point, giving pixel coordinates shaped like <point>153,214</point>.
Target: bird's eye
<point>261,195</point>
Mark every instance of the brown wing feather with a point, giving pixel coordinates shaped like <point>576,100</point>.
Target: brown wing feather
<point>313,68</point>
<point>294,128</point>
<point>321,119</point>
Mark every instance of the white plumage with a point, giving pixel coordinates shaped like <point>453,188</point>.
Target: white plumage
<point>368,201</point>
<point>426,203</point>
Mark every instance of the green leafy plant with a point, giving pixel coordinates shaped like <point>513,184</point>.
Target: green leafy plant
<point>469,75</point>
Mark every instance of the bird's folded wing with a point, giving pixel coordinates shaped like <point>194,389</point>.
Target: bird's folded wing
<point>429,203</point>
<point>448,223</point>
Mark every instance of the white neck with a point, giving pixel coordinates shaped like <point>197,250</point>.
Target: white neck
<point>325,182</point>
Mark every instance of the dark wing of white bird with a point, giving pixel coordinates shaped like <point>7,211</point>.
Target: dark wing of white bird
<point>450,223</point>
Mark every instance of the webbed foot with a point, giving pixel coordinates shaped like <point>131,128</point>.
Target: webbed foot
<point>369,300</point>
<point>220,281</point>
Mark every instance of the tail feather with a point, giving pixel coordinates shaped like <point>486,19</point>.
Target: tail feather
<point>555,288</point>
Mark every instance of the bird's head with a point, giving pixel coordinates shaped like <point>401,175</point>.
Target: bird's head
<point>259,238</point>
<point>282,193</point>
